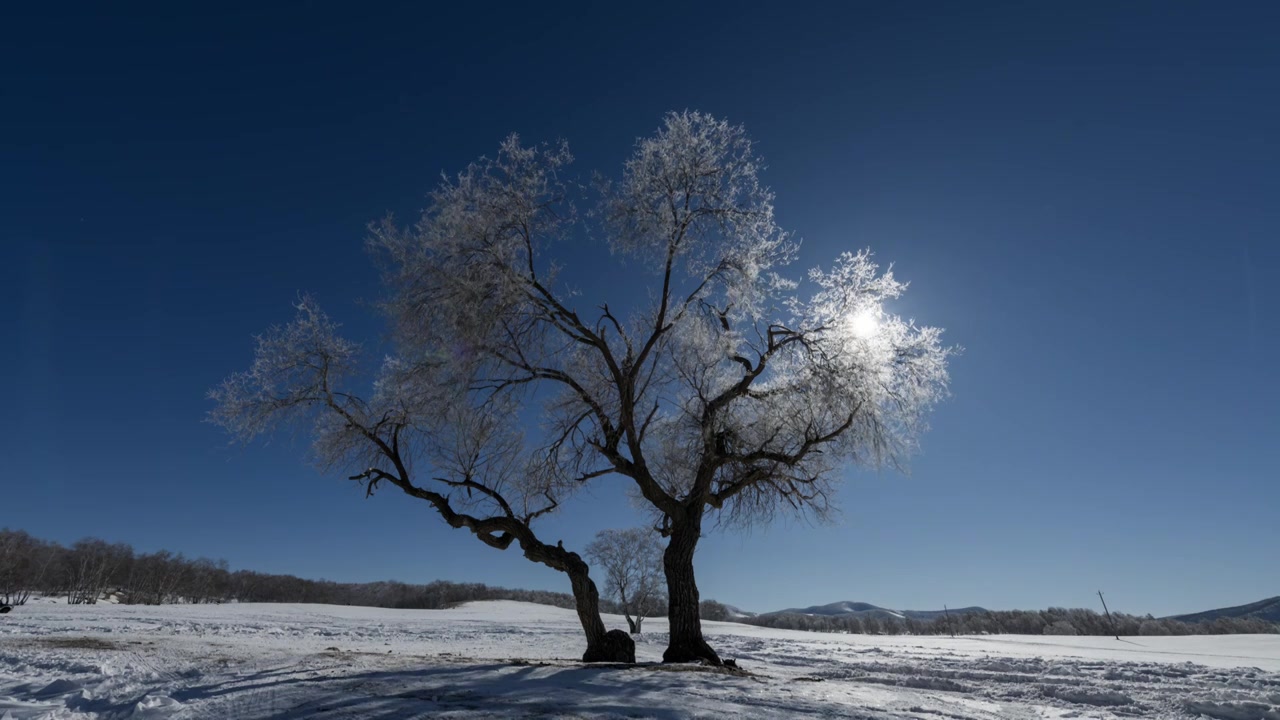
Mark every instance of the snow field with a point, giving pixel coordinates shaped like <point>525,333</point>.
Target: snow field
<point>508,659</point>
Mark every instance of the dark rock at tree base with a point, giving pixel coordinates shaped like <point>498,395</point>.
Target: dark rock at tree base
<point>4,609</point>
<point>617,647</point>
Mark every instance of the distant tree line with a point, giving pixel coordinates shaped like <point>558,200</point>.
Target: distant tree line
<point>91,570</point>
<point>1054,621</point>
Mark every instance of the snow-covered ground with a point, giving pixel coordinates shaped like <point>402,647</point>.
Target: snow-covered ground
<point>507,659</point>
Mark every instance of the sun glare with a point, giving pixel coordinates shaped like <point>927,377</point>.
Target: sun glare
<point>865,323</point>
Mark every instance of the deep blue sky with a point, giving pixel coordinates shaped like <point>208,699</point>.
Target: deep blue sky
<point>1083,194</point>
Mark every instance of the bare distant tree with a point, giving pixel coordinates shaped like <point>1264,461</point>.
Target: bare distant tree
<point>201,579</point>
<point>713,610</point>
<point>734,389</point>
<point>632,564</point>
<point>23,561</point>
<point>91,563</point>
<point>156,578</point>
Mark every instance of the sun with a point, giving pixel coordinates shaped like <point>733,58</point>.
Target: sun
<point>865,323</point>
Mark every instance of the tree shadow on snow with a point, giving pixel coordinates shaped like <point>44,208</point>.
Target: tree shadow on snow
<point>488,690</point>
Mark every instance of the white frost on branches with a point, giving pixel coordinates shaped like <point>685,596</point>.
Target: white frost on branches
<point>736,387</point>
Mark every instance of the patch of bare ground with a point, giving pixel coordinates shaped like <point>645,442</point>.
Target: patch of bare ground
<point>77,643</point>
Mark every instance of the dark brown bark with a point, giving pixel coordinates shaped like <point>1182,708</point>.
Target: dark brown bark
<point>587,602</point>
<point>602,646</point>
<point>613,646</point>
<point>499,532</point>
<point>686,643</point>
<point>616,647</point>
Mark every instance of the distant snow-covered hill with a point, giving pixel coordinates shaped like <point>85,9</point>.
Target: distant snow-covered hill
<point>1268,610</point>
<point>860,609</point>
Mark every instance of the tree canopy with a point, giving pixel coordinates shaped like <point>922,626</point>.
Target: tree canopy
<point>735,388</point>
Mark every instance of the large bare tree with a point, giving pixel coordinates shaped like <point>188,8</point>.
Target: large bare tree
<point>732,389</point>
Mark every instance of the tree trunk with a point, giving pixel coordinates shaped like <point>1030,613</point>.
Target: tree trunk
<point>499,532</point>
<point>686,643</point>
<point>612,646</point>
<point>587,601</point>
<point>634,624</point>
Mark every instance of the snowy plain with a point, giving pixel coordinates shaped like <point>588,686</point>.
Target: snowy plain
<point>517,660</point>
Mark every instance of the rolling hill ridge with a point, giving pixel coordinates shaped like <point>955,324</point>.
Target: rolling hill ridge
<point>1268,610</point>
<point>847,608</point>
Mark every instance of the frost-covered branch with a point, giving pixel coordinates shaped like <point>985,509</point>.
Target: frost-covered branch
<point>736,390</point>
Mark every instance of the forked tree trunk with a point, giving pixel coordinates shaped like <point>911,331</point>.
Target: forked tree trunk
<point>686,643</point>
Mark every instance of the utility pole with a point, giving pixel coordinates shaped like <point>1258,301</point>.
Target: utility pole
<point>1108,612</point>
<point>950,627</point>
